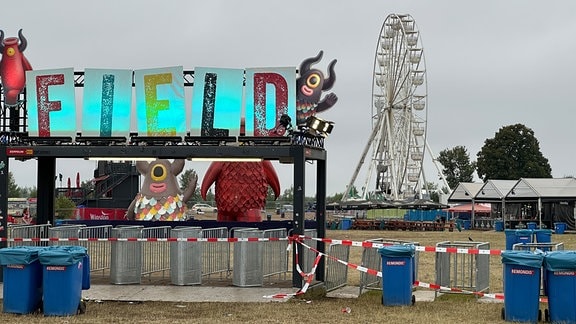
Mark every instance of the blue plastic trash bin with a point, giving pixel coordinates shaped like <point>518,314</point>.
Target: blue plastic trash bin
<point>467,224</point>
<point>346,223</point>
<point>62,279</point>
<point>522,270</point>
<point>22,273</point>
<point>531,225</point>
<point>517,236</point>
<point>543,235</point>
<point>499,226</point>
<point>397,275</point>
<point>560,274</point>
<point>559,228</point>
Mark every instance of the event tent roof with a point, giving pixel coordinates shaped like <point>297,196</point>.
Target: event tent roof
<point>543,188</point>
<point>494,190</point>
<point>465,191</point>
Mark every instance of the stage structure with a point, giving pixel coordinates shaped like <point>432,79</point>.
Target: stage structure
<point>43,125</point>
<point>391,163</point>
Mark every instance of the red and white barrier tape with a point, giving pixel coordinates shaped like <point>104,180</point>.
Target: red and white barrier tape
<point>368,244</point>
<point>149,239</point>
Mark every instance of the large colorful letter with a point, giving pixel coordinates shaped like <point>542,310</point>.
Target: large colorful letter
<point>160,108</point>
<point>270,93</point>
<point>51,103</point>
<point>217,102</point>
<point>107,102</point>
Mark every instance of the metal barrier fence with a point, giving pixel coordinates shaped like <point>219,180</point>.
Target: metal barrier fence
<point>371,259</point>
<point>67,231</point>
<point>308,256</point>
<point>216,255</point>
<point>275,254</point>
<point>155,254</point>
<point>27,231</point>
<point>99,252</point>
<point>464,271</point>
<point>538,246</point>
<point>336,272</point>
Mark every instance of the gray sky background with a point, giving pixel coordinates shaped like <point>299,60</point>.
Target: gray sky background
<point>489,63</point>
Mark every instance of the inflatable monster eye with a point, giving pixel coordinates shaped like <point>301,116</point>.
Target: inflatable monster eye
<point>158,172</point>
<point>313,80</point>
<point>10,51</point>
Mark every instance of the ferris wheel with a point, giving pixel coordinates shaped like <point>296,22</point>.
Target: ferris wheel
<point>399,109</point>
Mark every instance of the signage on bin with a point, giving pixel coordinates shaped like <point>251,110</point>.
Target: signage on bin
<point>395,263</point>
<point>56,268</point>
<point>15,266</point>
<point>522,272</point>
<point>565,273</point>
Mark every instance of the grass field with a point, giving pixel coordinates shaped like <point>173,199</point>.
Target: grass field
<point>448,308</point>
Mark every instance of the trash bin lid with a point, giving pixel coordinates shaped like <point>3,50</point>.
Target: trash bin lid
<point>523,258</point>
<point>19,255</point>
<point>397,250</point>
<point>62,255</point>
<point>560,260</point>
<point>524,232</point>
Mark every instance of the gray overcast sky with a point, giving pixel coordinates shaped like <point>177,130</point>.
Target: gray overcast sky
<point>489,63</point>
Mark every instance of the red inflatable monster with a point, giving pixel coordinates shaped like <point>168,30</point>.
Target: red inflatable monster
<point>241,189</point>
<point>13,66</point>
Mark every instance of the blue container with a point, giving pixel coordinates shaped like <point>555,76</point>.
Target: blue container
<point>560,274</point>
<point>517,236</point>
<point>397,274</point>
<point>522,271</point>
<point>346,223</point>
<point>499,226</point>
<point>63,271</point>
<point>531,225</point>
<point>543,235</point>
<point>22,289</point>
<point>559,228</point>
<point>467,224</point>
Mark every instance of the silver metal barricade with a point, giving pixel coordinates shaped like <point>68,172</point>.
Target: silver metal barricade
<point>98,251</point>
<point>216,255</point>
<point>275,254</point>
<point>247,269</point>
<point>371,259</point>
<point>545,247</point>
<point>308,256</point>
<point>126,256</point>
<point>64,232</point>
<point>461,270</point>
<point>336,272</point>
<point>186,257</point>
<point>155,254</point>
<point>27,232</point>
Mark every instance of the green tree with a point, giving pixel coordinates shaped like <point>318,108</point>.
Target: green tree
<point>513,153</point>
<point>184,181</point>
<point>64,207</point>
<point>456,165</point>
<point>13,190</point>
